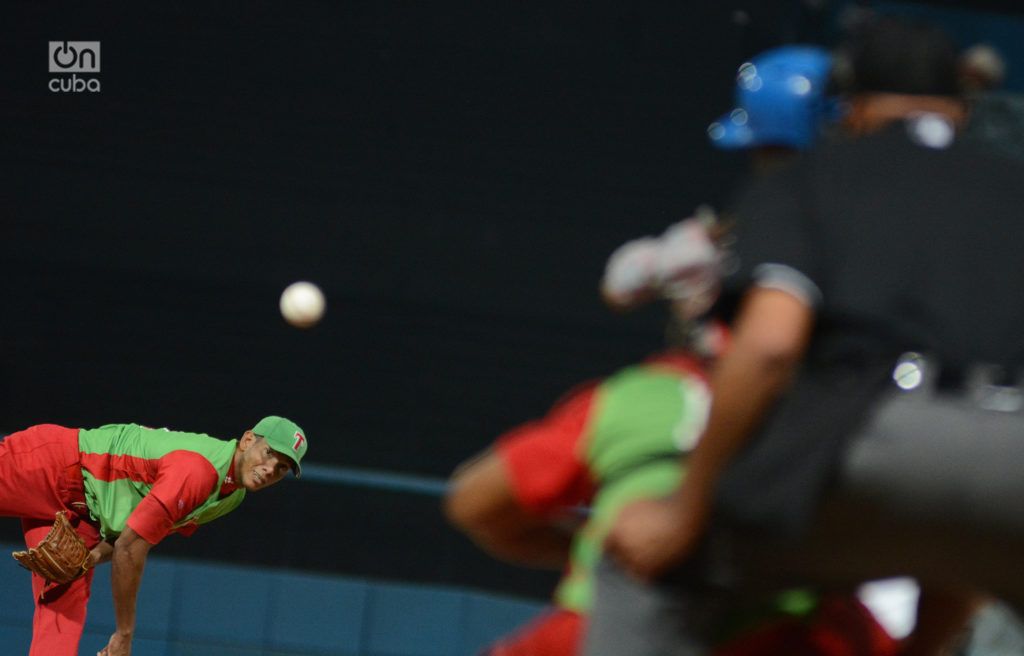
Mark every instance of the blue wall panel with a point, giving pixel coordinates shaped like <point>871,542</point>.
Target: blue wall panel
<point>317,614</point>
<point>204,609</point>
<point>413,621</point>
<point>210,649</point>
<point>16,592</point>
<point>16,639</point>
<point>219,603</point>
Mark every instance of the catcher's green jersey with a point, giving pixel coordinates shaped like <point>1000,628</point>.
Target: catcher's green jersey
<point>175,477</point>
<point>640,422</point>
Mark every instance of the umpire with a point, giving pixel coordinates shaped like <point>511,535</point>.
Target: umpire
<point>866,421</point>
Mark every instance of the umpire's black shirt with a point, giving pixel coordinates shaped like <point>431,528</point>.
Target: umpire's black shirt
<point>904,240</point>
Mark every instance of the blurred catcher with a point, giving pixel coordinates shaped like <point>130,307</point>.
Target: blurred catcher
<point>605,443</point>
<point>88,496</point>
<point>616,440</point>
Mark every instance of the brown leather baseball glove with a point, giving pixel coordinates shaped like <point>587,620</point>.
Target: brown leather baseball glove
<point>62,555</point>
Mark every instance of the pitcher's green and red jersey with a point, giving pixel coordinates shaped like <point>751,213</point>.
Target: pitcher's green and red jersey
<point>155,480</point>
<point>607,444</point>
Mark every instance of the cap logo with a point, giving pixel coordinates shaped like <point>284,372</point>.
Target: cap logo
<point>299,439</point>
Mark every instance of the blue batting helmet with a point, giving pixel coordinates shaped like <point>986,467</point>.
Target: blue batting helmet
<point>780,100</point>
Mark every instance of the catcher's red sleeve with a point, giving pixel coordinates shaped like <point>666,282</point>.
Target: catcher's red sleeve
<point>184,481</point>
<point>545,459</point>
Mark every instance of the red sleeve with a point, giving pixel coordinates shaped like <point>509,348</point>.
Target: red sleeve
<point>184,481</point>
<point>544,459</point>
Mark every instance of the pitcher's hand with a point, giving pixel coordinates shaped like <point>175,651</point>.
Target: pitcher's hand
<point>117,646</point>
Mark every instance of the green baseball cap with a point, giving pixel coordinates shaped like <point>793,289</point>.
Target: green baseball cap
<point>284,436</point>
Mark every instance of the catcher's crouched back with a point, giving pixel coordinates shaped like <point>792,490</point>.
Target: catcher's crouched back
<point>61,556</point>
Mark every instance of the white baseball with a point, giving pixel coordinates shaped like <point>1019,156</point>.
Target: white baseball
<point>302,304</point>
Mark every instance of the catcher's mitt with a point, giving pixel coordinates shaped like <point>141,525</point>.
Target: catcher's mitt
<point>62,555</point>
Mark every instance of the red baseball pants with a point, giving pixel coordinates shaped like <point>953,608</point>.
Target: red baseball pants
<point>40,475</point>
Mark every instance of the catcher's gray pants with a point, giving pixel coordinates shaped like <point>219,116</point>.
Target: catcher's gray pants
<point>630,618</point>
<point>933,488</point>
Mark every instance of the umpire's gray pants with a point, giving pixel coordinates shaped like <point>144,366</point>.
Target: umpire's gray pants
<point>933,488</point>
